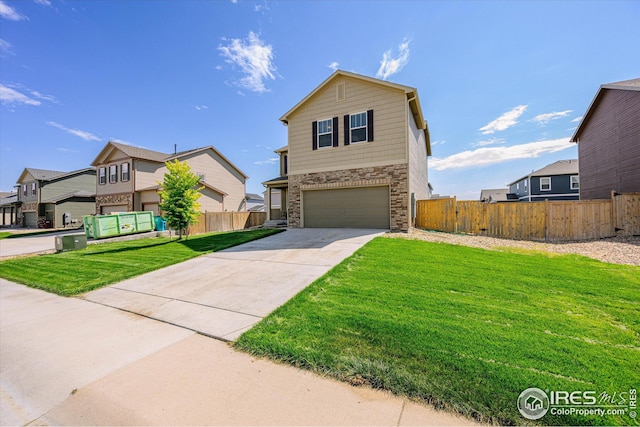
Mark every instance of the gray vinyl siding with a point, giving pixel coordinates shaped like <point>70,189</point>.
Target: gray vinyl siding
<point>77,210</point>
<point>609,146</point>
<point>85,181</point>
<point>418,173</point>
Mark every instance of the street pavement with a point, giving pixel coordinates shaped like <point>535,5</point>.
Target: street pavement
<point>32,244</point>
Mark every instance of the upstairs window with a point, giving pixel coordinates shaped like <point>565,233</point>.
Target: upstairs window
<point>285,164</point>
<point>113,174</point>
<point>102,176</point>
<point>24,190</point>
<point>124,172</point>
<point>325,133</point>
<point>545,183</point>
<point>358,127</point>
<point>33,188</point>
<point>575,182</point>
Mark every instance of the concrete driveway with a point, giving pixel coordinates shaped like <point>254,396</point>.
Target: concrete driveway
<point>31,244</point>
<point>225,293</point>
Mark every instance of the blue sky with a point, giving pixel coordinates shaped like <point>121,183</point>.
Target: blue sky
<point>502,84</point>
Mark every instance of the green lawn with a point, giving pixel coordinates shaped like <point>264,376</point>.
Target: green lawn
<point>464,328</point>
<point>71,273</point>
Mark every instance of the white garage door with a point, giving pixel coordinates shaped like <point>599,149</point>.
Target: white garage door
<point>364,207</point>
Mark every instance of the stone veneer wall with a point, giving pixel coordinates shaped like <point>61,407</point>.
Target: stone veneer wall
<point>113,200</point>
<point>396,176</point>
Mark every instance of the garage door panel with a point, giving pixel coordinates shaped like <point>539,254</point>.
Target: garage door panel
<point>366,207</point>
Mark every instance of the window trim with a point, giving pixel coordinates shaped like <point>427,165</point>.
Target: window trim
<point>102,175</point>
<point>330,132</point>
<point>365,126</point>
<point>577,182</point>
<point>122,172</point>
<point>113,177</point>
<point>541,185</point>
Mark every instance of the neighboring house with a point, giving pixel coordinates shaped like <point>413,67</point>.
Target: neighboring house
<point>55,199</point>
<point>496,195</point>
<point>128,179</point>
<point>608,140</point>
<point>356,155</point>
<point>255,202</point>
<point>275,198</point>
<point>557,181</point>
<point>9,208</point>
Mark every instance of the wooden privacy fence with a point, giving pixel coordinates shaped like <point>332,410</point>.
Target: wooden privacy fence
<point>542,221</point>
<point>227,221</point>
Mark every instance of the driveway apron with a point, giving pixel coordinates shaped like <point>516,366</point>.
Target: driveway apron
<point>225,293</point>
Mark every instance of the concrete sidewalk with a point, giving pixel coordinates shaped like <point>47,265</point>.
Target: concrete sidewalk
<point>65,361</point>
<point>225,293</point>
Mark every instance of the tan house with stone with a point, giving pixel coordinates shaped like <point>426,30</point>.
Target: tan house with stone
<point>128,179</point>
<point>48,198</point>
<point>356,155</point>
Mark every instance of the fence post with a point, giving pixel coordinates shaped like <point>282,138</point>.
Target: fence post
<point>546,220</point>
<point>455,214</point>
<point>614,214</point>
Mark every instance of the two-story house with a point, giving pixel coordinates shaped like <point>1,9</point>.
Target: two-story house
<point>608,140</point>
<point>55,199</point>
<point>356,155</point>
<point>557,181</point>
<point>128,179</point>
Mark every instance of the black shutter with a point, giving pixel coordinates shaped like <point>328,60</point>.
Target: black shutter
<point>314,132</point>
<point>335,131</point>
<point>347,131</point>
<point>370,125</point>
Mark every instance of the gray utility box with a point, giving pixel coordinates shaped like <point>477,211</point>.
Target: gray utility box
<point>71,242</point>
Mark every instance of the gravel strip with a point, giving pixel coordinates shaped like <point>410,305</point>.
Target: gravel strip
<point>616,250</point>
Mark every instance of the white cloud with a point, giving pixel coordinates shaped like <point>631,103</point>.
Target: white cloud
<point>201,107</point>
<point>79,133</point>
<point>438,142</point>
<point>7,12</point>
<point>6,47</point>
<point>491,155</point>
<point>491,141</point>
<point>505,121</point>
<point>11,96</point>
<point>66,150</point>
<point>543,119</point>
<point>270,161</point>
<point>255,59</point>
<point>334,65</point>
<point>43,2</point>
<point>44,97</point>
<point>389,65</point>
<point>577,119</point>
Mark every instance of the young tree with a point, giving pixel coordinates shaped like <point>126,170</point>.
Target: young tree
<point>179,196</point>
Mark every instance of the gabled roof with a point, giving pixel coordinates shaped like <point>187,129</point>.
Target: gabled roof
<point>561,167</point>
<point>411,94</point>
<point>154,156</point>
<point>633,84</point>
<point>204,184</point>
<point>49,175</point>
<point>494,194</point>
<point>253,196</point>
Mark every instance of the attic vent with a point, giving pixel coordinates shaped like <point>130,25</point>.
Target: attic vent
<point>340,92</point>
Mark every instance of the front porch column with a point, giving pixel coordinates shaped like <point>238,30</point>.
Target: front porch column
<point>267,205</point>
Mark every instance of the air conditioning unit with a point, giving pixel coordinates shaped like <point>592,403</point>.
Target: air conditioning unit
<point>71,242</point>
